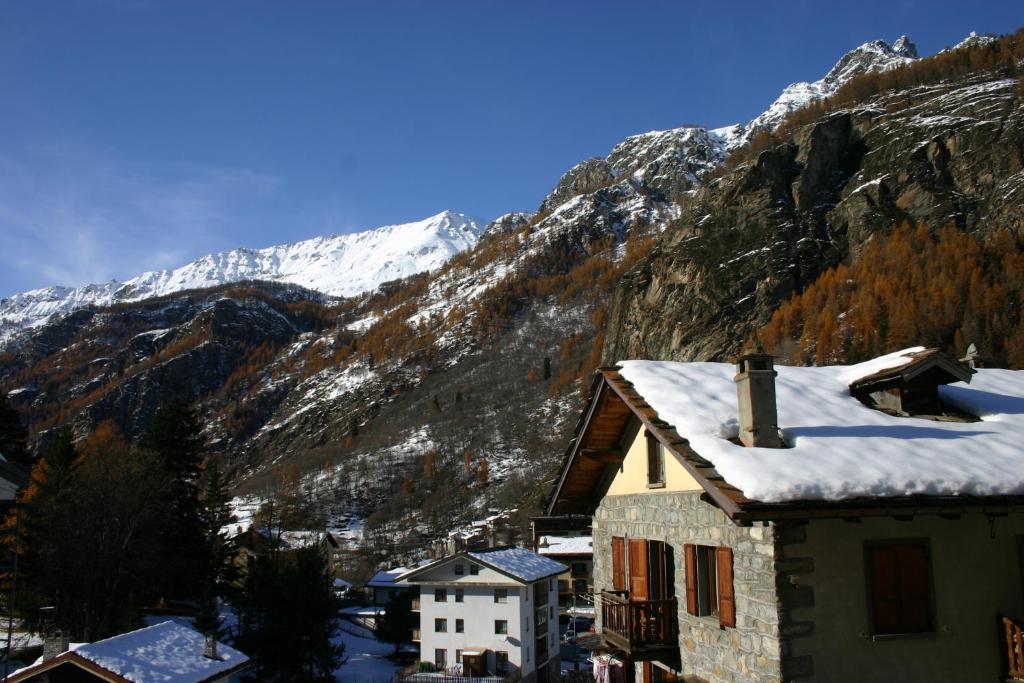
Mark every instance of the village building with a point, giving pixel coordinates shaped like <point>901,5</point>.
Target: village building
<point>754,523</point>
<point>169,651</point>
<point>575,590</point>
<point>383,586</point>
<point>490,611</point>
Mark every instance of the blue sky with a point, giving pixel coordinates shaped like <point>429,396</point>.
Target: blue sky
<point>143,134</point>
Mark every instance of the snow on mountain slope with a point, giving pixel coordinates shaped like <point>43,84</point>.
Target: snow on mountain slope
<point>876,55</point>
<point>340,265</point>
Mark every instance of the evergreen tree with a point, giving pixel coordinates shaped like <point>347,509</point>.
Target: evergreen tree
<point>218,572</point>
<point>287,617</point>
<point>174,436</point>
<point>398,622</point>
<point>13,435</point>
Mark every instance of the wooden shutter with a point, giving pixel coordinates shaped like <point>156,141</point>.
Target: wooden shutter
<point>726,591</point>
<point>638,569</point>
<point>900,593</point>
<point>915,588</point>
<point>690,567</point>
<point>656,570</point>
<point>618,563</point>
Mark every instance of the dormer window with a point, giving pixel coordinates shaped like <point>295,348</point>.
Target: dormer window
<point>911,388</point>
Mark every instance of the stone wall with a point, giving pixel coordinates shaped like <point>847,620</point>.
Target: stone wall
<point>751,652</point>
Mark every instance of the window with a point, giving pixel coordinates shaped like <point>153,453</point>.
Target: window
<point>551,612</point>
<point>579,569</point>
<point>501,662</point>
<point>459,569</point>
<point>440,595</point>
<point>527,653</point>
<point>459,594</point>
<point>458,656</point>
<point>460,626</point>
<point>709,583</point>
<point>474,569</point>
<point>501,626</point>
<point>441,658</point>
<point>527,624</point>
<point>655,461</point>
<point>899,587</point>
<point>440,625</point>
<point>500,595</point>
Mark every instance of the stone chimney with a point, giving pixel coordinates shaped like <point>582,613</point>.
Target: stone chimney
<point>210,648</point>
<point>54,644</point>
<point>755,384</point>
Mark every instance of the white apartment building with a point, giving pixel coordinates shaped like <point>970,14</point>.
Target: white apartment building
<point>492,611</point>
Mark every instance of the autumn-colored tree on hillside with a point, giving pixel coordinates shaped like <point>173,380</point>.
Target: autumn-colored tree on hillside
<point>911,287</point>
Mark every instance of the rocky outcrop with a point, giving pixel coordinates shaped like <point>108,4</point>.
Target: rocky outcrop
<point>935,154</point>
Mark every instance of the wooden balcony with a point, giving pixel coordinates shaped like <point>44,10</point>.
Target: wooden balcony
<point>1014,633</point>
<point>639,627</point>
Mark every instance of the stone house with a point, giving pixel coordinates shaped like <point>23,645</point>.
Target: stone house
<point>489,612</point>
<point>867,525</point>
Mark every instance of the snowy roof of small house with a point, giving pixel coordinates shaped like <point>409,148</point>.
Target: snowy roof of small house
<point>839,450</point>
<point>520,564</point>
<point>385,578</point>
<point>168,652</point>
<point>566,545</point>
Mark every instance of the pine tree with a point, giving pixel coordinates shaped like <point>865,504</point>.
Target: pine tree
<point>13,435</point>
<point>174,436</point>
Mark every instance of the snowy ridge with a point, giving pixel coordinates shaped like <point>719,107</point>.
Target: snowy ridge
<point>876,55</point>
<point>340,265</point>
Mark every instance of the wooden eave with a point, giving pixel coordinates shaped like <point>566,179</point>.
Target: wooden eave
<point>613,402</point>
<point>578,485</point>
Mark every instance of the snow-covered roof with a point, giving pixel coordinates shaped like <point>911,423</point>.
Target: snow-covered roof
<point>386,578</point>
<point>566,545</point>
<point>168,652</point>
<point>519,563</point>
<point>840,448</point>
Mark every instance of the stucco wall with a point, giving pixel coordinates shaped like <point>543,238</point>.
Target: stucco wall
<point>975,571</point>
<point>632,475</point>
<point>479,611</point>
<point>751,652</point>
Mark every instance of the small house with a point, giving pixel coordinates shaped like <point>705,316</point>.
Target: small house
<point>490,612</point>
<point>168,651</point>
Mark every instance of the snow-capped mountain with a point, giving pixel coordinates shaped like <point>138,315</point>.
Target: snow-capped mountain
<point>671,160</point>
<point>340,265</point>
<point>876,55</point>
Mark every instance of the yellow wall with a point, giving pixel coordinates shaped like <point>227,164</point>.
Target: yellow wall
<point>632,475</point>
<point>975,572</point>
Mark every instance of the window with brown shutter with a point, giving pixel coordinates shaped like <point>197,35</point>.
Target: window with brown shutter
<point>655,461</point>
<point>899,584</point>
<point>709,582</point>
<point>618,563</point>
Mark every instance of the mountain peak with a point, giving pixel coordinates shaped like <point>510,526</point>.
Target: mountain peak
<point>905,47</point>
<point>339,265</point>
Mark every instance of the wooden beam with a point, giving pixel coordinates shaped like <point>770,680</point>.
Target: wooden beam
<point>605,456</point>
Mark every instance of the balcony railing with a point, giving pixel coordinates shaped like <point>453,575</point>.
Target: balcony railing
<point>1014,633</point>
<point>639,624</point>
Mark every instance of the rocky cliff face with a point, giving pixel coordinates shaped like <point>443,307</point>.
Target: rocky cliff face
<point>932,154</point>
